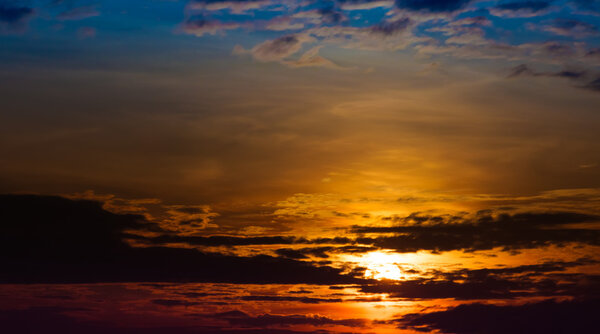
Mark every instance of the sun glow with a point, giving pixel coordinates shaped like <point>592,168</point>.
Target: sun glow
<point>382,266</point>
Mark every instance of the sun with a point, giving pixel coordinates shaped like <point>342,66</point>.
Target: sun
<point>381,266</point>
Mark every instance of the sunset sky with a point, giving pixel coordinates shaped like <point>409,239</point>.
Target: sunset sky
<point>299,166</point>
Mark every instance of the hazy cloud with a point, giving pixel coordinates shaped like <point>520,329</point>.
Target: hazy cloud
<point>521,8</point>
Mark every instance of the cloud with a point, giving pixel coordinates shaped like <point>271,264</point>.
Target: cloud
<point>199,26</point>
<point>481,232</point>
<point>173,302</point>
<point>391,28</point>
<point>277,49</point>
<point>55,320</point>
<point>321,252</point>
<point>86,32</point>
<point>235,6</point>
<point>575,75</point>
<point>57,240</point>
<point>311,58</point>
<point>477,21</point>
<point>593,85</point>
<point>391,35</point>
<point>266,320</point>
<point>576,316</point>
<point>433,6</point>
<point>304,300</point>
<point>539,280</point>
<point>14,17</point>
<point>521,8</point>
<point>588,6</point>
<point>364,4</point>
<point>329,14</point>
<point>78,13</point>
<point>524,69</point>
<point>284,23</point>
<point>568,27</point>
<point>325,15</point>
<point>216,240</point>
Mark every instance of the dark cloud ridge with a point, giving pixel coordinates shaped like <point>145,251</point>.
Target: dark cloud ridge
<point>485,232</point>
<point>578,316</point>
<point>49,239</point>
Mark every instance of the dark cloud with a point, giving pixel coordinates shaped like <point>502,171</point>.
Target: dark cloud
<point>540,280</point>
<point>223,240</point>
<point>525,70</point>
<point>305,300</point>
<point>595,52</point>
<point>14,16</point>
<point>481,232</point>
<point>303,253</point>
<point>522,69</point>
<point>433,6</point>
<point>200,26</point>
<point>577,316</point>
<point>587,5</point>
<point>173,302</point>
<point>521,8</point>
<point>579,76</point>
<point>61,320</point>
<point>571,28</point>
<point>593,85</point>
<point>228,241</point>
<point>52,239</point>
<point>391,28</point>
<point>329,14</point>
<point>533,6</point>
<point>279,49</point>
<point>242,319</point>
<point>556,49</point>
<point>321,252</point>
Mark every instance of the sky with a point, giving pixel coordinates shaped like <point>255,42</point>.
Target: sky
<point>299,166</point>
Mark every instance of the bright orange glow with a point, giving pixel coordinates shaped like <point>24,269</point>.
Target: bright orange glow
<point>382,265</point>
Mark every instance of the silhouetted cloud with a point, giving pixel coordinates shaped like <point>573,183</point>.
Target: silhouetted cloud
<point>578,316</point>
<point>173,302</point>
<point>484,231</point>
<point>304,300</point>
<point>321,252</point>
<point>53,239</point>
<point>222,240</point>
<point>540,280</point>
<point>242,319</point>
<point>63,320</point>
